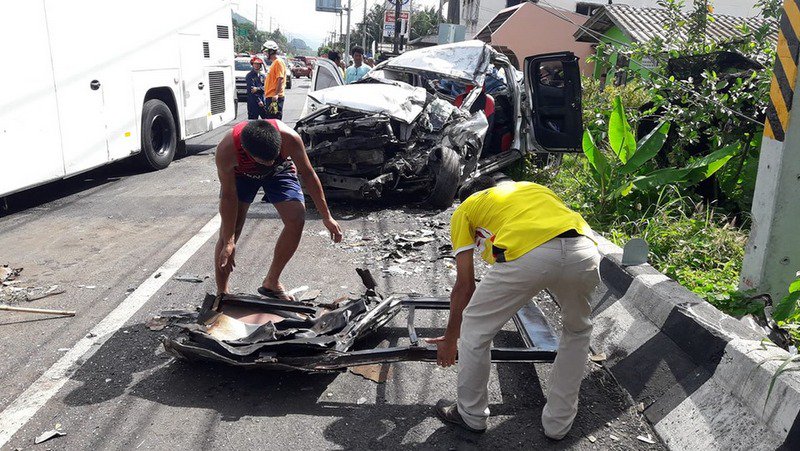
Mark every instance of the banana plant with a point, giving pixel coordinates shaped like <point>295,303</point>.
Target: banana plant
<point>629,172</point>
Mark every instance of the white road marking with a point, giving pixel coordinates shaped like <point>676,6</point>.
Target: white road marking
<point>19,412</point>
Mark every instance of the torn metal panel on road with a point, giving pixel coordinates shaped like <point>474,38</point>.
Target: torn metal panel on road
<point>251,331</point>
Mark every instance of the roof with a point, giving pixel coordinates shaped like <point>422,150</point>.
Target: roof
<point>645,24</point>
<point>485,34</point>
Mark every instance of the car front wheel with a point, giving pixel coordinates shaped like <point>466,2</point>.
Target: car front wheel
<point>446,167</point>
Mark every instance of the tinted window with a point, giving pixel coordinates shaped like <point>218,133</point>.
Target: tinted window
<point>242,65</point>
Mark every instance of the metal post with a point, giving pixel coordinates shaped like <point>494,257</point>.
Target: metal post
<point>772,254</point>
<point>347,38</point>
<point>398,4</point>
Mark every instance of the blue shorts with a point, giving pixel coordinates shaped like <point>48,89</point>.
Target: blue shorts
<point>278,188</point>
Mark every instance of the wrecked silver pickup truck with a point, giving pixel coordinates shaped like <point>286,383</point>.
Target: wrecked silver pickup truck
<point>429,119</point>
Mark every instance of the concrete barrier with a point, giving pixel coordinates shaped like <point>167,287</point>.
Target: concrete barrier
<point>701,375</point>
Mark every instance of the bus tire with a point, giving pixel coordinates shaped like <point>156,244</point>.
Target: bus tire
<point>159,135</point>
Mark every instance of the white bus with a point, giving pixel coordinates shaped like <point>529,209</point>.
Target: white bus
<point>88,82</point>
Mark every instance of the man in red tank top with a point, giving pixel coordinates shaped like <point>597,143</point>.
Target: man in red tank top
<point>265,154</point>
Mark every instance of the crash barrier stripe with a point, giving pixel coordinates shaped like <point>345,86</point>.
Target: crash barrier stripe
<point>785,72</point>
<point>701,376</point>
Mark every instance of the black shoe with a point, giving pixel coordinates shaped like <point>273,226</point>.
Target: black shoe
<point>447,411</point>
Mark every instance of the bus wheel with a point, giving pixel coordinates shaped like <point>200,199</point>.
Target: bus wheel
<point>159,137</point>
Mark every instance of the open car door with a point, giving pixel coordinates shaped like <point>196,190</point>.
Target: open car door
<point>326,75</point>
<point>553,84</point>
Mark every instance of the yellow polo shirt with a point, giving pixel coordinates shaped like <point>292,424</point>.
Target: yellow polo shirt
<point>514,217</point>
<point>276,70</point>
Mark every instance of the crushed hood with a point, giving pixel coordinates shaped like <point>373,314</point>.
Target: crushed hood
<point>466,61</point>
<point>399,101</point>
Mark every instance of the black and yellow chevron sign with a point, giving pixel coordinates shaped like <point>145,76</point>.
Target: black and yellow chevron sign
<point>785,74</point>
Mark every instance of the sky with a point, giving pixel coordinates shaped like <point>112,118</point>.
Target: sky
<point>298,18</point>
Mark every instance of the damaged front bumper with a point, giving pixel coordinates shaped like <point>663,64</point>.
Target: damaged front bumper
<point>358,154</point>
<point>249,331</point>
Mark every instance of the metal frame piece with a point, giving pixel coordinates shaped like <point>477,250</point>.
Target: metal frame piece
<point>324,340</point>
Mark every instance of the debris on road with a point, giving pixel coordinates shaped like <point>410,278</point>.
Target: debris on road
<point>12,293</point>
<point>45,436</point>
<point>190,278</point>
<point>9,274</point>
<point>598,358</point>
<point>592,438</point>
<point>309,295</point>
<point>646,439</point>
<point>87,287</point>
<point>613,437</point>
<point>378,373</point>
<point>156,323</point>
<point>37,310</point>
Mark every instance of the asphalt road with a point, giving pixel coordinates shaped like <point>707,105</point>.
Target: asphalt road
<point>104,236</point>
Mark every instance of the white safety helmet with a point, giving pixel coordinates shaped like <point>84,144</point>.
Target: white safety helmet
<point>270,46</point>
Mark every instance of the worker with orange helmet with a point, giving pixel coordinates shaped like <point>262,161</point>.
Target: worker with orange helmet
<point>255,90</point>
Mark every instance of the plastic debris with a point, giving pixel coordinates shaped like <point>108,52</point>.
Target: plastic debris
<point>157,323</point>
<point>309,295</point>
<point>190,278</point>
<point>598,358</point>
<point>592,438</point>
<point>88,287</point>
<point>646,439</point>
<point>45,436</point>
<point>613,437</point>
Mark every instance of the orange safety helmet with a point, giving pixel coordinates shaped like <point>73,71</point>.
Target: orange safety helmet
<point>256,59</point>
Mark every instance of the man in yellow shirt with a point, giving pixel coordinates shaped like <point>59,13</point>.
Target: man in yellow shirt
<point>275,83</point>
<point>534,243</point>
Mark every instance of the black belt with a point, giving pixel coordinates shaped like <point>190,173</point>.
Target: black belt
<point>571,233</point>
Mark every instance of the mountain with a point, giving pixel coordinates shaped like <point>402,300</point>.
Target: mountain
<point>299,44</point>
<point>238,18</point>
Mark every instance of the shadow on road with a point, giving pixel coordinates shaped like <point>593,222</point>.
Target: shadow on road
<point>96,178</point>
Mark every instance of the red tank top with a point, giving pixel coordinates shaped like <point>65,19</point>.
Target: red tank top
<point>247,166</point>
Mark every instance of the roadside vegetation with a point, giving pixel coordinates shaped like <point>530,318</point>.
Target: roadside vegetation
<point>673,160</point>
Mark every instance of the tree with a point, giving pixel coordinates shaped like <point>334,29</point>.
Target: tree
<point>374,27</point>
<point>709,110</point>
<point>425,21</point>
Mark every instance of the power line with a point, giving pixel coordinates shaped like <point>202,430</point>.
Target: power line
<point>680,83</point>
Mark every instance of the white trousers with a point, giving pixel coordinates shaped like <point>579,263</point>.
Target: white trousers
<point>568,268</point>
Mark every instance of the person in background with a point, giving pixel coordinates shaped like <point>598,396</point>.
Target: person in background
<point>255,90</point>
<point>358,70</point>
<point>334,56</point>
<point>275,83</point>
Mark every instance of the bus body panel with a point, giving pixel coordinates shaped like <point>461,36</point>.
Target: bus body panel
<point>30,137</point>
<point>83,100</point>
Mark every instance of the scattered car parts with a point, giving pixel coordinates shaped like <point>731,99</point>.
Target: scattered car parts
<point>251,331</point>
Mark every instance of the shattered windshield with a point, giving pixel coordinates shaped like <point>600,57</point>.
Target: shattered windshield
<point>399,101</point>
<point>465,61</point>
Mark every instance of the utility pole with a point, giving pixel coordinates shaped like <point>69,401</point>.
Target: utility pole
<point>347,38</point>
<point>772,253</point>
<point>453,11</point>
<point>364,22</point>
